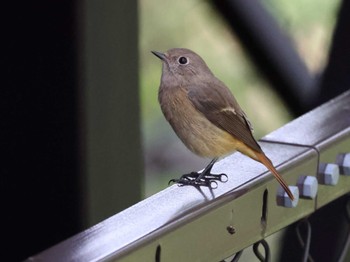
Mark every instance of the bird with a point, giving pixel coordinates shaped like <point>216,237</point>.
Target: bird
<point>205,115</point>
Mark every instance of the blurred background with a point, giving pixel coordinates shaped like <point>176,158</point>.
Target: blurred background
<point>198,25</point>
<point>82,134</point>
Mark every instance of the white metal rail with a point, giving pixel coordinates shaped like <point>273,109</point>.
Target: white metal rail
<point>190,224</point>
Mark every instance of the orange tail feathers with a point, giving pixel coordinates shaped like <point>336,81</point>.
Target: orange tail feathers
<point>267,162</point>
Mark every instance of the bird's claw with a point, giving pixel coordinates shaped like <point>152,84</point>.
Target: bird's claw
<point>219,177</point>
<point>207,180</point>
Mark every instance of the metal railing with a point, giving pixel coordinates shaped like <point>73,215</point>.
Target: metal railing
<point>199,224</point>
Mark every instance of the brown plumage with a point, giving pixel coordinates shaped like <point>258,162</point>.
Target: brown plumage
<point>204,113</point>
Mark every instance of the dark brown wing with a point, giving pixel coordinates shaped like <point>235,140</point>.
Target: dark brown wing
<point>218,105</point>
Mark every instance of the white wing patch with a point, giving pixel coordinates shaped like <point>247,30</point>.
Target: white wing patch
<point>232,110</point>
<point>229,109</point>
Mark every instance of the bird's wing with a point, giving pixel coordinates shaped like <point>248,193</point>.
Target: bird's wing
<point>218,105</point>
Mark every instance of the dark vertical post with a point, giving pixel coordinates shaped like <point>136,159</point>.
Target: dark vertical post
<point>109,67</point>
<point>69,126</point>
<point>336,76</point>
<point>39,170</point>
<point>330,225</point>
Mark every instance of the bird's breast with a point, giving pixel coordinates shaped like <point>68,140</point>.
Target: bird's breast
<point>200,135</point>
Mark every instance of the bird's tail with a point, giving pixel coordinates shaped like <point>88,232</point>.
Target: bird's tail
<point>267,162</point>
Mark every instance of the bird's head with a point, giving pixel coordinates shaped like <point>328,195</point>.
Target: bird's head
<point>183,65</point>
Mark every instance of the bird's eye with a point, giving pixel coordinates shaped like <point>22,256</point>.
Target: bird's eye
<point>183,60</point>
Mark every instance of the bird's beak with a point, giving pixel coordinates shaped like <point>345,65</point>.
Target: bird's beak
<point>160,55</point>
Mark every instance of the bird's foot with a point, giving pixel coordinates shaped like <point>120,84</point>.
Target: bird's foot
<point>200,179</point>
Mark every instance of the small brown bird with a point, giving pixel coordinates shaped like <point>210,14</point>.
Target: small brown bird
<point>205,115</point>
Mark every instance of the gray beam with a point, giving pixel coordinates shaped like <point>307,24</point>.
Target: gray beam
<point>187,224</point>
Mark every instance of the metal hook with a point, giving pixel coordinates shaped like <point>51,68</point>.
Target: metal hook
<point>267,257</point>
<point>305,244</point>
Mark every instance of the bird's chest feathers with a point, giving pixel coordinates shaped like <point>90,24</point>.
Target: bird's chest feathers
<point>180,112</point>
<point>192,127</point>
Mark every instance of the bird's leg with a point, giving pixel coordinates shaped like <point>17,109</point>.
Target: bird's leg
<point>206,172</point>
<point>204,178</point>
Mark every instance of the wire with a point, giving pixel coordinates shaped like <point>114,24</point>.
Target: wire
<point>347,242</point>
<point>345,249</point>
<point>237,256</point>
<point>267,257</point>
<point>305,244</point>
